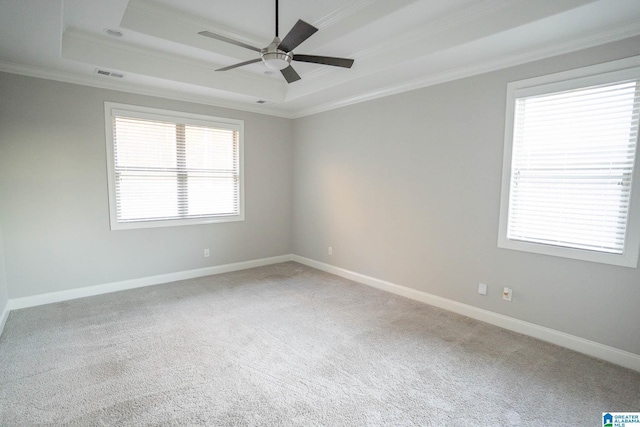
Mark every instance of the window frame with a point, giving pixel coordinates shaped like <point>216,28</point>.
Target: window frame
<point>624,69</point>
<point>112,109</point>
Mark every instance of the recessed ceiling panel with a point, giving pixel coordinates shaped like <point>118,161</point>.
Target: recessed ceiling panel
<point>397,45</point>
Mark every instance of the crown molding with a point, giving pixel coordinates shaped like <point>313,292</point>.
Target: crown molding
<point>104,83</point>
<point>99,41</point>
<point>388,52</point>
<point>133,60</point>
<point>593,40</point>
<point>615,34</point>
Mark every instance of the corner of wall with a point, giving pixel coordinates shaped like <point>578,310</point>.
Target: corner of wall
<point>4,315</point>
<point>4,295</point>
<point>580,345</point>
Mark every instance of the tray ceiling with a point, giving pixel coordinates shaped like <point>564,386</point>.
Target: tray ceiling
<point>397,45</point>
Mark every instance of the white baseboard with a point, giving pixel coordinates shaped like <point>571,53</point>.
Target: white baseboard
<point>51,297</point>
<point>581,345</point>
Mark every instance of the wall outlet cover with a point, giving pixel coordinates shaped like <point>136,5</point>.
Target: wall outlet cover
<point>482,288</point>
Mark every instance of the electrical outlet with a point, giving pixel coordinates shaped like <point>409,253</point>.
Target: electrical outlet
<point>482,288</point>
<point>507,293</point>
<point>330,250</point>
<point>206,253</point>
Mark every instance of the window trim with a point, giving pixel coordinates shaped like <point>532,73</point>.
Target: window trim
<point>620,70</point>
<point>113,108</point>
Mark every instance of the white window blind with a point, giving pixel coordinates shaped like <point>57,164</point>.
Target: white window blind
<point>570,152</point>
<point>172,169</point>
<point>573,157</point>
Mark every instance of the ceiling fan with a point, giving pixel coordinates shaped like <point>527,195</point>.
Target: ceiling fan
<point>279,54</point>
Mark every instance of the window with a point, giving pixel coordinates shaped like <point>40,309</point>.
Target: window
<point>570,151</point>
<point>169,168</point>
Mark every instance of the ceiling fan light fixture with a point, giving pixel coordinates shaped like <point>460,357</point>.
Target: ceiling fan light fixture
<point>279,54</point>
<point>277,60</point>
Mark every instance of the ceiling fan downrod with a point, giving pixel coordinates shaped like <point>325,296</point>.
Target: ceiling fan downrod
<point>272,57</point>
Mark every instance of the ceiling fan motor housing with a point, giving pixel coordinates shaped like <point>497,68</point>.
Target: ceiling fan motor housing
<point>275,58</point>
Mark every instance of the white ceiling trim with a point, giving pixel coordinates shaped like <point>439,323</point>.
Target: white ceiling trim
<point>101,82</point>
<point>593,40</point>
<point>484,19</point>
<point>102,51</point>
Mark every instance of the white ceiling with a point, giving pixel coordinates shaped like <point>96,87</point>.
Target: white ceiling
<point>397,44</point>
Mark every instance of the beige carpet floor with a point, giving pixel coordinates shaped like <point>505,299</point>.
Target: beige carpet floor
<point>287,345</point>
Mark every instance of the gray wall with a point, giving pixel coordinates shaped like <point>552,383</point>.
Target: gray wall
<point>54,204</point>
<point>4,295</point>
<point>407,189</point>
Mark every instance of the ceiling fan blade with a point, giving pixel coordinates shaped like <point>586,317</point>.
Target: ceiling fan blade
<point>230,67</point>
<point>325,60</point>
<point>290,74</point>
<point>299,33</point>
<point>228,40</point>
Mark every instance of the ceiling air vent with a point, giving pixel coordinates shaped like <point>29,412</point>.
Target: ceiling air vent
<point>109,73</point>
